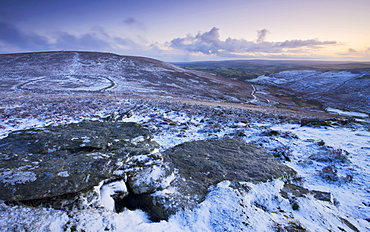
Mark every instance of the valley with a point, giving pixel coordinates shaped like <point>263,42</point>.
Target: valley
<point>299,84</point>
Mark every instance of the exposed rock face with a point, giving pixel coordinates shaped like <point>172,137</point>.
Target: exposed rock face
<point>207,162</point>
<point>58,164</point>
<point>53,161</point>
<point>201,164</point>
<point>292,192</point>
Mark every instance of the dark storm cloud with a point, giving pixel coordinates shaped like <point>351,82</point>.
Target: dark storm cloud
<point>210,43</point>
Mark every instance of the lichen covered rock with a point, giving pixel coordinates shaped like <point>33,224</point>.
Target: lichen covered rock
<point>205,163</point>
<point>53,161</point>
<point>59,165</point>
<point>208,162</point>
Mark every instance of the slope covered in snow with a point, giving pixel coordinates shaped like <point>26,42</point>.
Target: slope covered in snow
<point>346,90</point>
<point>89,72</point>
<point>261,207</point>
<point>330,153</point>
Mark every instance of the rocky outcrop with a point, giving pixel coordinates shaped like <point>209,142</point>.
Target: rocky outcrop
<point>55,161</point>
<point>291,191</point>
<point>207,162</point>
<point>201,164</point>
<point>117,165</point>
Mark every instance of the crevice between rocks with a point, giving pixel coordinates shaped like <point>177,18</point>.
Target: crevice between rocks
<point>143,202</point>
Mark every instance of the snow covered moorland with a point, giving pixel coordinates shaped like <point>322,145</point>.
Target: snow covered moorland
<point>309,150</point>
<point>347,90</point>
<point>330,153</point>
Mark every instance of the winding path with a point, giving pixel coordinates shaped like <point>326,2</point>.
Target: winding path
<point>252,93</point>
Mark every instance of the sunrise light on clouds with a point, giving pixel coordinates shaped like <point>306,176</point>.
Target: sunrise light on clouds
<point>191,30</point>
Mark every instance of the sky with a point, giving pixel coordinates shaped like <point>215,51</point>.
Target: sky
<point>192,30</point>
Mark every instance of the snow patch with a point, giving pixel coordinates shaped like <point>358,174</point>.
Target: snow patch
<point>108,190</point>
<point>17,177</point>
<point>347,113</point>
<point>63,174</point>
<point>138,139</point>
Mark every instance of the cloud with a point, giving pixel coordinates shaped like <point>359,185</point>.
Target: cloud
<point>133,23</point>
<point>210,43</point>
<point>203,45</point>
<point>13,39</point>
<point>206,43</point>
<point>128,45</point>
<point>211,36</point>
<point>10,34</point>
<point>18,40</point>
<point>356,53</point>
<point>261,35</point>
<point>303,43</point>
<point>88,41</point>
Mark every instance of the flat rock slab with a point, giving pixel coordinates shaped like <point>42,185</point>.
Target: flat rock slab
<point>205,163</point>
<point>52,161</point>
<point>208,162</point>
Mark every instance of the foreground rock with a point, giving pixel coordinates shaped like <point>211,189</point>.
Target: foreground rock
<point>208,162</point>
<point>117,165</point>
<point>201,164</point>
<point>55,161</point>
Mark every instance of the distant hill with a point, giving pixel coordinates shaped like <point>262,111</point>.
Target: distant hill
<point>86,72</point>
<point>287,85</point>
<point>313,85</point>
<point>248,69</point>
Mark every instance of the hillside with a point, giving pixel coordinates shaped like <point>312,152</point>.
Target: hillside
<point>314,85</point>
<point>101,142</point>
<point>88,72</point>
<point>249,69</point>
